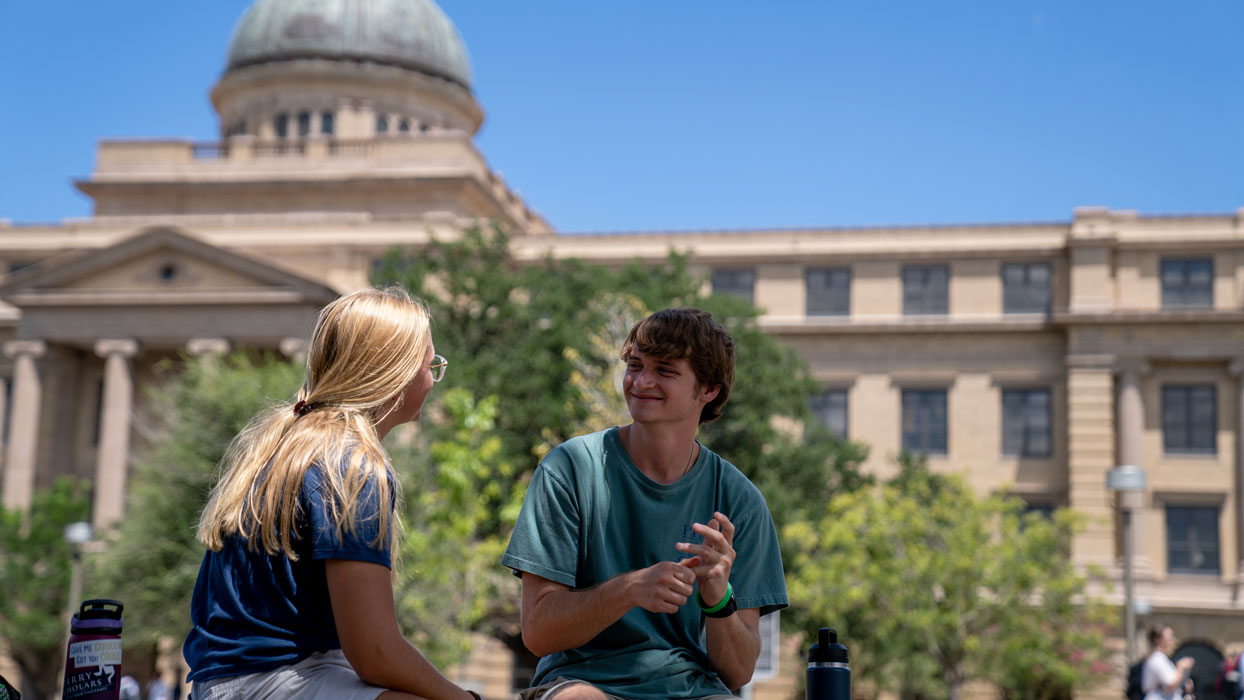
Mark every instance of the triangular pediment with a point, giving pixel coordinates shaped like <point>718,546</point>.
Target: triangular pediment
<point>158,266</point>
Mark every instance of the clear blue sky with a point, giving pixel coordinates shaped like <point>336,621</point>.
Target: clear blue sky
<point>652,114</point>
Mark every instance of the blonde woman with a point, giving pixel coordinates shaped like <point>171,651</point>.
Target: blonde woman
<point>294,597</point>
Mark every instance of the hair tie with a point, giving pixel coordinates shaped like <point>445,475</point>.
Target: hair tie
<point>302,408</point>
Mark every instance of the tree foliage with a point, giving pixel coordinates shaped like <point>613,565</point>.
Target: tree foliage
<point>34,581</point>
<point>932,586</point>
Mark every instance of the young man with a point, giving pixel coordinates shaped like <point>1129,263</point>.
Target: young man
<point>647,560</point>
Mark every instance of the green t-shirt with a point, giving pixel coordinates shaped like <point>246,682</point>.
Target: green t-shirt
<point>590,514</point>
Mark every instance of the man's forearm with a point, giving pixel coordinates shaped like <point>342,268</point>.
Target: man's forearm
<point>734,646</point>
<point>564,619</point>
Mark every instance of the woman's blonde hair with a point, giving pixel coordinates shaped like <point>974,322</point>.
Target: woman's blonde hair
<point>366,347</point>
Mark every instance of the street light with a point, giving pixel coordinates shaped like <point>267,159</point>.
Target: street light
<point>1128,480</point>
<point>76,534</point>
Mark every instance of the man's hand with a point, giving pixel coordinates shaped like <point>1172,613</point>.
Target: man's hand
<point>662,587</point>
<point>712,560</point>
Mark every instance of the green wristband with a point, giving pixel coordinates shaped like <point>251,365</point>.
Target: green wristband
<point>699,600</point>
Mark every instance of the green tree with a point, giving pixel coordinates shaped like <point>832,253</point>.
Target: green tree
<point>933,586</point>
<point>34,578</point>
<point>153,559</point>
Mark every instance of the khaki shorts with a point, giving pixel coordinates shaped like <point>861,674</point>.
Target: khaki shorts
<point>550,690</point>
<point>321,676</point>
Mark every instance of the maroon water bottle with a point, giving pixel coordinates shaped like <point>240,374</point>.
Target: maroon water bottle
<point>93,665</point>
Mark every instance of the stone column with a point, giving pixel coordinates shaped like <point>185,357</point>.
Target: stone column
<point>1130,449</point>
<point>1090,454</point>
<point>112,459</point>
<point>19,471</point>
<point>1237,368</point>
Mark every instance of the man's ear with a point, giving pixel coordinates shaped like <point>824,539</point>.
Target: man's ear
<point>708,392</point>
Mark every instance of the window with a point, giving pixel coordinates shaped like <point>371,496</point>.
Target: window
<point>403,126</point>
<point>326,123</point>
<point>926,289</point>
<point>1190,419</point>
<point>1192,540</point>
<point>1188,284</point>
<point>1026,422</point>
<point>739,281</point>
<point>1045,510</point>
<point>382,124</point>
<point>830,410</point>
<point>281,124</point>
<point>924,420</point>
<point>1026,288</point>
<point>304,124</point>
<point>828,291</point>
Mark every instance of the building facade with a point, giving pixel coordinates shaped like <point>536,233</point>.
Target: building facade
<point>1030,357</point>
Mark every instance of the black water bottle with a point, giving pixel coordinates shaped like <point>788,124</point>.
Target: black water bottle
<point>829,676</point>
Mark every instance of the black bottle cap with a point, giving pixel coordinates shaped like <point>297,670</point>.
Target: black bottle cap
<point>827,649</point>
<point>100,609</point>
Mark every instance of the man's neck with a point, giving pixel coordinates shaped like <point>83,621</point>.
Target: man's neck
<point>663,452</point>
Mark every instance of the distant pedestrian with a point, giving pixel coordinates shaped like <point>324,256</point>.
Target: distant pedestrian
<point>1162,678</point>
<point>157,689</point>
<point>130,690</point>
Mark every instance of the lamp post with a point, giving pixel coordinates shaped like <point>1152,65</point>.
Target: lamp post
<point>1128,480</point>
<point>76,534</point>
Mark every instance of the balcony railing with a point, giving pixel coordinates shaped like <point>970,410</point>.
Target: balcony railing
<point>210,150</point>
<point>279,149</point>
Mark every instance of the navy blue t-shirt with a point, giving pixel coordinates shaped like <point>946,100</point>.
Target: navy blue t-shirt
<point>254,611</point>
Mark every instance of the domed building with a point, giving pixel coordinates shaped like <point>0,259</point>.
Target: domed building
<point>347,108</point>
<point>1032,358</point>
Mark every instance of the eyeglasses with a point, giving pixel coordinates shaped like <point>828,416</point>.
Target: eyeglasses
<point>438,367</point>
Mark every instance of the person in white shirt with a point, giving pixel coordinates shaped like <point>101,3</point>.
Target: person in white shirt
<point>1162,678</point>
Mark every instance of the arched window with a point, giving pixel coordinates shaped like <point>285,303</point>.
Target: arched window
<point>1205,672</point>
